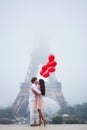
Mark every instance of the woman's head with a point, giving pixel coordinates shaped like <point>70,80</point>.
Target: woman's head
<point>42,86</point>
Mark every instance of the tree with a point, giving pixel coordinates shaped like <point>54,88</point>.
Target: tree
<point>6,113</point>
<point>57,120</point>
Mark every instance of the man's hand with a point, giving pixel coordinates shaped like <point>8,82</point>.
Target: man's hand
<point>35,92</point>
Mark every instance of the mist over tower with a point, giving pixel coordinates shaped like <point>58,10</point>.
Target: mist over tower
<point>53,86</point>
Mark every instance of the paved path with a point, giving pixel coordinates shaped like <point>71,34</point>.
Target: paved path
<point>48,127</point>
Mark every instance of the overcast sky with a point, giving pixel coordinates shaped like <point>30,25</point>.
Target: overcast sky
<point>62,24</point>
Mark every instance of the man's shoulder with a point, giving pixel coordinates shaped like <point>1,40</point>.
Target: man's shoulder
<point>33,85</point>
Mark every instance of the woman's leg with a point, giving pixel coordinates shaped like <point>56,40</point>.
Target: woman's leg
<point>41,117</point>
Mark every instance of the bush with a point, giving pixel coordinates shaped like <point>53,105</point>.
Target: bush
<point>72,121</point>
<point>57,120</point>
<point>6,113</point>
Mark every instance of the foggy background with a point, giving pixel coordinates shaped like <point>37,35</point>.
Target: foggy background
<point>59,24</point>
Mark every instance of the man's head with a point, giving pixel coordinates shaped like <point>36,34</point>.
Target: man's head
<point>34,80</point>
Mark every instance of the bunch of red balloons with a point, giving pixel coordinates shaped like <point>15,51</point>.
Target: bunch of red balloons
<point>49,67</point>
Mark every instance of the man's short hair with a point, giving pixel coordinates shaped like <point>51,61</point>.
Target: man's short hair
<point>33,79</point>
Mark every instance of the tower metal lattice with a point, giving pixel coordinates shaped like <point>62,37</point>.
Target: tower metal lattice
<point>53,87</point>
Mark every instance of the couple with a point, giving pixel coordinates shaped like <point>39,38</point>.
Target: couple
<point>37,90</point>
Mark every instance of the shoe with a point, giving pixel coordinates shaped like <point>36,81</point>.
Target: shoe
<point>40,123</point>
<point>45,122</point>
<point>34,124</point>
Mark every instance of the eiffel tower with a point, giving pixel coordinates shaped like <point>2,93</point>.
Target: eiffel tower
<point>53,87</point>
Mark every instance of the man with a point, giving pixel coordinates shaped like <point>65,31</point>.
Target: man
<point>33,90</point>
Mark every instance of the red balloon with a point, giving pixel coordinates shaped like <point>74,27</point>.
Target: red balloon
<point>51,57</point>
<point>48,63</point>
<point>41,72</point>
<point>52,64</point>
<point>44,68</point>
<point>51,69</point>
<point>46,74</point>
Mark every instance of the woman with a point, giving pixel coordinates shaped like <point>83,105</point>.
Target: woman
<point>39,101</point>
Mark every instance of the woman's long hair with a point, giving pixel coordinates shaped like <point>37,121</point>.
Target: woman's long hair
<point>42,86</point>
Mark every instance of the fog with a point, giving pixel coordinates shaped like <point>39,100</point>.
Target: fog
<point>61,25</point>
